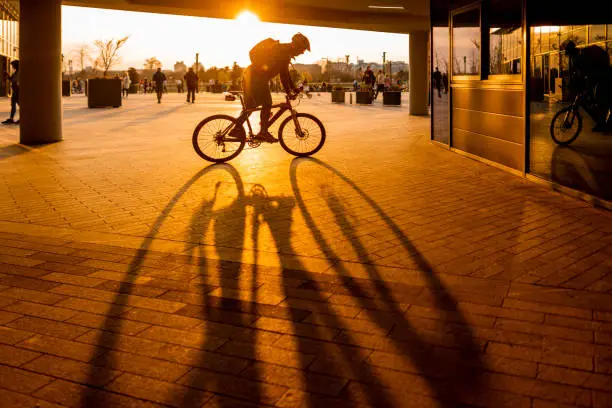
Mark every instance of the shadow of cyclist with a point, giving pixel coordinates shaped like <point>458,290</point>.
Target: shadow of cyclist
<point>220,309</point>
<point>453,377</point>
<point>104,362</point>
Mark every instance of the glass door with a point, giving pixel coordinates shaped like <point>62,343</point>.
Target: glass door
<point>440,92</point>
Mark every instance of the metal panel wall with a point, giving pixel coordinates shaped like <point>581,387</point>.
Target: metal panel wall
<point>490,123</point>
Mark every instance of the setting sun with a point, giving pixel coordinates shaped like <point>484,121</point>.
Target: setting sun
<point>247,17</point>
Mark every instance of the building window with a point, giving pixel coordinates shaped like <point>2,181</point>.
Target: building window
<point>597,33</point>
<point>506,37</point>
<point>466,42</point>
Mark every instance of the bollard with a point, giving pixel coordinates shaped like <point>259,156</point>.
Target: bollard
<point>351,98</point>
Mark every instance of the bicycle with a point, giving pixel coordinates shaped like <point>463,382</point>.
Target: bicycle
<point>564,132</point>
<point>226,136</point>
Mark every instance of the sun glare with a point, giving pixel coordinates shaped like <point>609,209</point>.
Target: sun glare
<point>246,17</point>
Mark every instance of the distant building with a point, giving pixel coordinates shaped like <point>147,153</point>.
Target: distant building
<point>397,66</point>
<point>180,66</point>
<point>313,69</point>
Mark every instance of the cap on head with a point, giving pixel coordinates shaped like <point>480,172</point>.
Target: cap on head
<point>300,40</point>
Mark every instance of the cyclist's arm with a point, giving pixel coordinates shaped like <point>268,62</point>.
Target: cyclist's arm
<point>286,80</point>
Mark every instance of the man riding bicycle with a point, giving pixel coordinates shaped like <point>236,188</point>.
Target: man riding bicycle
<point>268,59</point>
<point>591,69</point>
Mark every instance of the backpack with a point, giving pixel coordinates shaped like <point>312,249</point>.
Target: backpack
<point>260,53</point>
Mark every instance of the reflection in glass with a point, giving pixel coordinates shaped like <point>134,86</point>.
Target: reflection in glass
<point>586,163</point>
<point>440,84</point>
<point>466,42</point>
<point>505,37</point>
<point>505,50</point>
<point>597,33</point>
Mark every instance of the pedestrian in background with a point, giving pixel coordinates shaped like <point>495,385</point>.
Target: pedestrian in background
<point>126,85</point>
<point>15,95</point>
<point>380,83</point>
<point>191,79</point>
<point>159,78</point>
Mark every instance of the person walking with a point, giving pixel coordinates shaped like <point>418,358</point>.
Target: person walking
<point>15,95</point>
<point>159,79</point>
<point>437,80</point>
<point>126,85</point>
<point>191,79</point>
<point>179,86</point>
<point>369,80</point>
<point>380,83</point>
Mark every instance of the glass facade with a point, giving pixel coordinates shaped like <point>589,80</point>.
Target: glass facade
<point>585,163</point>
<point>505,37</point>
<point>9,34</point>
<point>466,42</point>
<point>9,44</point>
<point>440,85</point>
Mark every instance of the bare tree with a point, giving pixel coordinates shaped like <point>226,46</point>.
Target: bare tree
<point>109,52</point>
<point>152,63</point>
<point>83,53</point>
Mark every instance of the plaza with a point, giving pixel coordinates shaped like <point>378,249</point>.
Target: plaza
<point>386,271</point>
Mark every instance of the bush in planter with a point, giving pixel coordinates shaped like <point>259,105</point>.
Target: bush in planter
<point>103,92</point>
<point>364,95</point>
<point>392,96</point>
<point>338,95</point>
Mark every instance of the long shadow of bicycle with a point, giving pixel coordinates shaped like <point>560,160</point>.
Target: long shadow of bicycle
<point>326,349</point>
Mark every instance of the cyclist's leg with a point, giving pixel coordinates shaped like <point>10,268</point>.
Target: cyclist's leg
<point>266,107</point>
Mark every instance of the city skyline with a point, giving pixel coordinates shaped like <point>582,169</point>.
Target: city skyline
<point>172,38</point>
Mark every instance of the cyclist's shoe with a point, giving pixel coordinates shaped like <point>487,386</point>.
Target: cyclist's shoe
<point>8,122</point>
<point>266,137</point>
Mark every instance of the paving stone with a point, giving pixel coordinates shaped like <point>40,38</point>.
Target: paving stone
<point>38,310</point>
<point>15,356</point>
<point>48,327</point>
<point>233,386</point>
<point>60,348</point>
<point>158,391</point>
<point>32,295</point>
<point>71,370</point>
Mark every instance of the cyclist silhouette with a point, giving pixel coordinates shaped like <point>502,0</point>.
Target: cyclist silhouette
<point>590,68</point>
<point>268,59</point>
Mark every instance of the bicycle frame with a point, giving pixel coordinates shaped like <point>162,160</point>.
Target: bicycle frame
<point>246,113</point>
<point>583,100</point>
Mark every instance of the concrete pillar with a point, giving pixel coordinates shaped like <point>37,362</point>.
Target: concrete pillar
<point>40,87</point>
<point>419,87</point>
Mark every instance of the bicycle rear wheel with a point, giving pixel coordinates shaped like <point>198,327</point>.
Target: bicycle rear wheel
<point>306,141</point>
<point>565,126</point>
<point>218,138</point>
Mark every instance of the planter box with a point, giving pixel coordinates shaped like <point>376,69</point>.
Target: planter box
<point>338,96</point>
<point>66,87</point>
<point>393,98</point>
<point>103,92</point>
<point>363,97</point>
<point>217,88</point>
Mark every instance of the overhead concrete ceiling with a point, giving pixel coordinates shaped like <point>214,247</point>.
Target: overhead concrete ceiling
<point>354,14</point>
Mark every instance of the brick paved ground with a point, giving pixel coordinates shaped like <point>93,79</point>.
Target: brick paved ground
<point>385,272</point>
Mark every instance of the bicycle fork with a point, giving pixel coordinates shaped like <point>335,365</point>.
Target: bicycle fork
<point>296,122</point>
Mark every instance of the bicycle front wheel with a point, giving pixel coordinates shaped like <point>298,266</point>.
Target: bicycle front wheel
<point>565,126</point>
<point>218,138</point>
<point>303,140</point>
